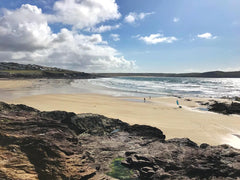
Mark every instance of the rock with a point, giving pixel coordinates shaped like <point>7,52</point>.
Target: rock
<point>146,131</point>
<point>129,153</point>
<point>204,145</point>
<point>225,108</point>
<point>161,174</point>
<point>63,145</point>
<point>237,98</point>
<point>147,172</point>
<point>95,124</point>
<point>203,103</point>
<point>183,142</point>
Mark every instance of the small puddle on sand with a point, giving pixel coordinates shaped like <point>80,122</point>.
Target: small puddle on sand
<point>202,109</point>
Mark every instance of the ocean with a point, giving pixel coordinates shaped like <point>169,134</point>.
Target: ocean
<point>171,86</point>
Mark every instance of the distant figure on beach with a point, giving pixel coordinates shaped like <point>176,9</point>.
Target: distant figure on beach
<point>144,99</point>
<point>149,97</point>
<point>178,104</point>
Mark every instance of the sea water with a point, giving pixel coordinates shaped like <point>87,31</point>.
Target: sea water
<point>172,86</point>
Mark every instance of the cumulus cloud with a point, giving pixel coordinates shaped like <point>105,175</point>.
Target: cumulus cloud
<point>84,13</point>
<point>206,36</point>
<point>175,19</point>
<point>26,37</point>
<point>132,17</point>
<point>157,38</point>
<point>24,29</point>
<point>115,37</point>
<point>103,28</point>
<point>87,53</point>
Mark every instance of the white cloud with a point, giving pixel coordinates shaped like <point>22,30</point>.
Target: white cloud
<point>206,36</point>
<point>103,28</point>
<point>25,34</point>
<point>175,19</point>
<point>24,29</point>
<point>84,13</point>
<point>157,38</point>
<point>132,17</point>
<point>115,37</point>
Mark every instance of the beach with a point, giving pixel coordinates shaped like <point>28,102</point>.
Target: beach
<point>13,84</point>
<point>162,112</point>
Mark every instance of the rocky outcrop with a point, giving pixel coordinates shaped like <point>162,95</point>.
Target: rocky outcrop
<point>64,145</point>
<point>225,108</point>
<point>177,161</point>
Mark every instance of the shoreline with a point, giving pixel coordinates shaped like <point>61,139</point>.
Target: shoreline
<point>161,112</point>
<point>200,127</point>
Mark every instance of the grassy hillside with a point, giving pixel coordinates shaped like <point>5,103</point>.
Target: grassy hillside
<point>14,70</point>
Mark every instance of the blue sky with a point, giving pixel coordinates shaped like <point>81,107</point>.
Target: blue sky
<point>122,35</point>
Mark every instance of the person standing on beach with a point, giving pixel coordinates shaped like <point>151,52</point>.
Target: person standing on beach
<point>178,103</point>
<point>144,99</point>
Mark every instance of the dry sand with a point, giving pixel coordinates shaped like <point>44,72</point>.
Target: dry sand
<point>161,112</point>
<point>199,126</point>
<point>12,84</point>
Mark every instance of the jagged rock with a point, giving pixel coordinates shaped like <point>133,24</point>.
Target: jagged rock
<point>95,124</point>
<point>225,108</point>
<point>62,145</point>
<point>183,141</point>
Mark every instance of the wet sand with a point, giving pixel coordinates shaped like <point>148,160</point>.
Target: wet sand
<point>161,112</point>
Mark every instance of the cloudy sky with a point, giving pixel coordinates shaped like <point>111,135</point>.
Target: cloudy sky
<point>122,35</point>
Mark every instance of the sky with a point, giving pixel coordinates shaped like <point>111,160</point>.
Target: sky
<point>122,35</point>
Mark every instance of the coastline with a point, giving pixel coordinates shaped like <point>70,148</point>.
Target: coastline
<point>160,112</point>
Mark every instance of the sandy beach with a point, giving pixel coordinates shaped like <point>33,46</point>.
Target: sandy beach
<point>12,84</point>
<point>161,112</point>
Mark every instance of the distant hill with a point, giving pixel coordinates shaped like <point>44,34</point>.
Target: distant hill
<point>212,74</point>
<point>15,70</point>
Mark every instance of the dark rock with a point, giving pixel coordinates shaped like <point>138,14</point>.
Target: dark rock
<point>204,146</point>
<point>183,142</point>
<point>16,108</point>
<point>225,108</point>
<point>129,153</point>
<point>203,103</point>
<point>95,124</point>
<point>147,172</point>
<point>237,98</point>
<point>146,131</point>
<point>62,145</point>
